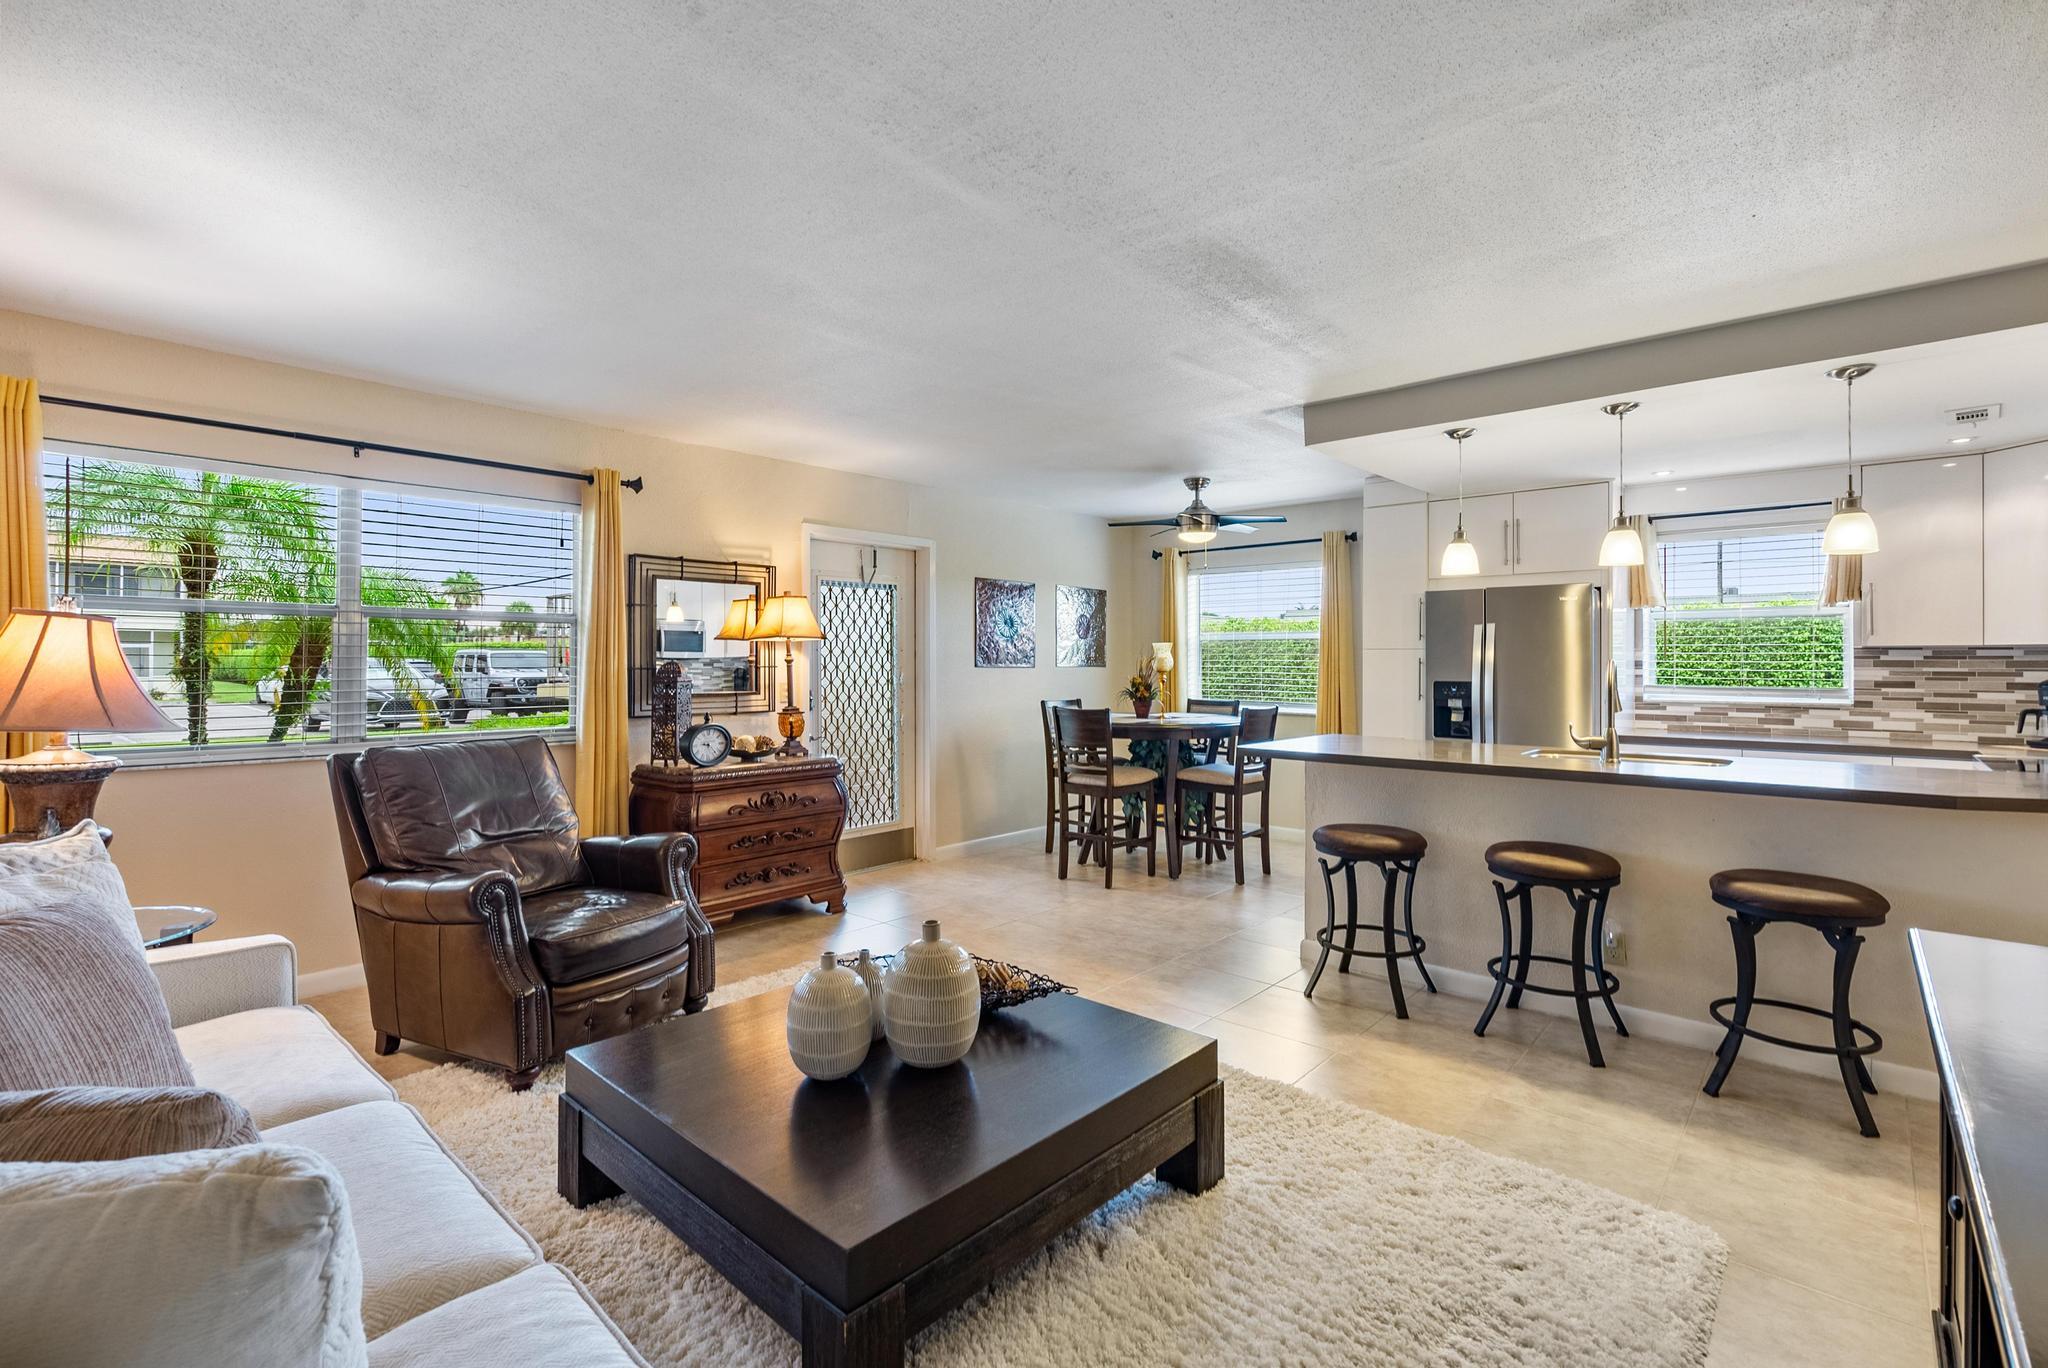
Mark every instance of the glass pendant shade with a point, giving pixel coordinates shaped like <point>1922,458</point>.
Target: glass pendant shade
<point>1622,546</point>
<point>1851,532</point>
<point>1460,557</point>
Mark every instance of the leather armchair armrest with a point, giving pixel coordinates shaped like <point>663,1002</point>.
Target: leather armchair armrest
<point>656,863</point>
<point>438,898</point>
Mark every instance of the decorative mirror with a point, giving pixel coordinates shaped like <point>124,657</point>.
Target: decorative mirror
<point>675,607</point>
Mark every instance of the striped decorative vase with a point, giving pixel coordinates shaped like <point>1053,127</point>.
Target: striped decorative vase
<point>931,1001</point>
<point>829,1024</point>
<point>871,974</point>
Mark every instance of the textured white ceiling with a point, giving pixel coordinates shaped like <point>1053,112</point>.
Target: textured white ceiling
<point>1069,251</point>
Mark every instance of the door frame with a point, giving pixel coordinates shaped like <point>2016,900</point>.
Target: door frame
<point>924,551</point>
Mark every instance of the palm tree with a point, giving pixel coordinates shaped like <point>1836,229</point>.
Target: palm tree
<point>200,525</point>
<point>463,590</point>
<point>519,617</point>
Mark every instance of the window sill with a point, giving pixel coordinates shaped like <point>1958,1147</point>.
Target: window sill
<point>1745,698</point>
<point>153,758</point>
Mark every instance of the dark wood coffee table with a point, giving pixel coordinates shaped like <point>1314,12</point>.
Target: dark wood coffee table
<point>858,1212</point>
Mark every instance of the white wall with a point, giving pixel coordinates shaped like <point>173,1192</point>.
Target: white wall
<point>253,840</point>
<point>1132,633</point>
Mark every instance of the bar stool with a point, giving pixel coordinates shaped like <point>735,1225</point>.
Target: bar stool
<point>1837,909</point>
<point>1396,851</point>
<point>1585,877</point>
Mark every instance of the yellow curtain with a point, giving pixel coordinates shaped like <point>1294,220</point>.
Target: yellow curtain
<point>24,553</point>
<point>1337,662</point>
<point>1173,600</point>
<point>1645,585</point>
<point>603,758</point>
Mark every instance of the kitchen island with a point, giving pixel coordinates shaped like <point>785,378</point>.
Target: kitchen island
<point>1952,849</point>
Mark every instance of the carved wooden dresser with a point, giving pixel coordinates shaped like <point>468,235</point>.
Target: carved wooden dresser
<point>766,830</point>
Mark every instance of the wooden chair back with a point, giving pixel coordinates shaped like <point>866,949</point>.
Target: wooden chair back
<point>1052,740</point>
<point>1256,723</point>
<point>1084,739</point>
<point>1214,748</point>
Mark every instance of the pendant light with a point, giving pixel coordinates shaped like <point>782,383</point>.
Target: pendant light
<point>1850,531</point>
<point>1622,545</point>
<point>1460,556</point>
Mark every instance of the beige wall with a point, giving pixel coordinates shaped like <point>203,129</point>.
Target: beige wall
<point>1132,632</point>
<point>256,841</point>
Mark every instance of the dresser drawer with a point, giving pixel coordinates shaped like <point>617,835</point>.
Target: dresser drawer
<point>798,831</point>
<point>766,802</point>
<point>743,883</point>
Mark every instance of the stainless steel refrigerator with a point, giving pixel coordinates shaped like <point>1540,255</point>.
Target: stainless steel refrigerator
<point>1517,666</point>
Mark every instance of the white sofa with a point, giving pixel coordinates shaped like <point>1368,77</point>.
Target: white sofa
<point>448,1277</point>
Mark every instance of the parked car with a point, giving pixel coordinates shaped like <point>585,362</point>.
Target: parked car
<point>509,680</point>
<point>391,698</point>
<point>451,701</point>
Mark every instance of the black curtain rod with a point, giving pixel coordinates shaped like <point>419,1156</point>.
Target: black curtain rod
<point>357,445</point>
<point>1731,512</point>
<point>1256,546</point>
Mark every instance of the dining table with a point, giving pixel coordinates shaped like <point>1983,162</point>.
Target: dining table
<point>1171,729</point>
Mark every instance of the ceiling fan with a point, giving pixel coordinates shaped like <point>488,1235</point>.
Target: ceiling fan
<point>1198,523</point>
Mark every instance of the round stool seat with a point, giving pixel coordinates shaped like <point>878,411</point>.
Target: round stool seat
<point>1364,841</point>
<point>1547,862</point>
<point>1781,895</point>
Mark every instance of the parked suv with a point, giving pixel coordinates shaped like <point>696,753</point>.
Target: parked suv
<point>509,680</point>
<point>404,697</point>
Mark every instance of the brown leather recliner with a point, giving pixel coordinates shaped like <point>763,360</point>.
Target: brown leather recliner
<point>488,928</point>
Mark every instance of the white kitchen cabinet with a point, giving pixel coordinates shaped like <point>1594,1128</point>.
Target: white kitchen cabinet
<point>1392,553</point>
<point>1390,694</point>
<point>2015,546</point>
<point>1555,530</point>
<point>1489,526</point>
<point>1924,586</point>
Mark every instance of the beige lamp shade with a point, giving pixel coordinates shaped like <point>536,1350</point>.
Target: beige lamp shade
<point>786,617</point>
<point>739,620</point>
<point>64,672</point>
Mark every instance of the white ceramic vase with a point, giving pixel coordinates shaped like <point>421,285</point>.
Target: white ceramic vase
<point>871,974</point>
<point>830,1019</point>
<point>931,1001</point>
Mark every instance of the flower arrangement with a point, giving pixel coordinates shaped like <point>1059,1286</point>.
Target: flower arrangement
<point>1143,688</point>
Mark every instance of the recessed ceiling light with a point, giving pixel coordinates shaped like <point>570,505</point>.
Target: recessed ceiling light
<point>1960,441</point>
<point>1948,465</point>
<point>1681,488</point>
<point>1660,474</point>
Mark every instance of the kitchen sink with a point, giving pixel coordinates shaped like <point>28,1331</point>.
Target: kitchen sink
<point>1640,757</point>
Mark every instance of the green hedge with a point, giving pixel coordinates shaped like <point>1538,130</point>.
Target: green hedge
<point>1750,653</point>
<point>1278,671</point>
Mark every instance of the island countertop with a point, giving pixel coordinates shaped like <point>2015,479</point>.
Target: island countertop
<point>2003,790</point>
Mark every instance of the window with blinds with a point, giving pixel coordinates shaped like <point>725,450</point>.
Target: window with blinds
<point>1743,613</point>
<point>1257,633</point>
<point>270,615</point>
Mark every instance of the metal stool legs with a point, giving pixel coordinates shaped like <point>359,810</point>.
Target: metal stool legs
<point>1851,1039</point>
<point>1396,942</point>
<point>1511,969</point>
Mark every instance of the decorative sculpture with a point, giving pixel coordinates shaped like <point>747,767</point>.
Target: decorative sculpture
<point>671,712</point>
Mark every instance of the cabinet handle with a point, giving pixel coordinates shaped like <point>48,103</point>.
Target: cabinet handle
<point>1870,609</point>
<point>1507,554</point>
<point>1518,541</point>
<point>1419,599</point>
<point>1418,681</point>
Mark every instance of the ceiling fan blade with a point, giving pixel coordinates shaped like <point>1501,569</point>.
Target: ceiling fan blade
<point>1229,518</point>
<point>1165,530</point>
<point>1236,527</point>
<point>1149,522</point>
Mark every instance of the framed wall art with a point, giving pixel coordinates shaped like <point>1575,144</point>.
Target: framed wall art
<point>1005,624</point>
<point>1080,626</point>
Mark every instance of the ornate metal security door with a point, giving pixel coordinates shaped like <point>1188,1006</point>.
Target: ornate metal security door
<point>858,702</point>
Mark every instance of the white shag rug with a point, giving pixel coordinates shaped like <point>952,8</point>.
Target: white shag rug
<point>1337,1237</point>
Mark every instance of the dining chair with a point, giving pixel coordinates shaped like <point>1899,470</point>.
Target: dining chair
<point>1052,762</point>
<point>1236,781</point>
<point>1091,778</point>
<point>1211,750</point>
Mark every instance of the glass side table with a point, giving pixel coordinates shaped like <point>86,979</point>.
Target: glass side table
<point>163,926</point>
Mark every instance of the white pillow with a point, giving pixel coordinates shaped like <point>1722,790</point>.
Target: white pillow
<point>218,1257</point>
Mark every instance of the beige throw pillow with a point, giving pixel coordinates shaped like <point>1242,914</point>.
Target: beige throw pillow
<point>237,1258</point>
<point>74,1125</point>
<point>78,1005</point>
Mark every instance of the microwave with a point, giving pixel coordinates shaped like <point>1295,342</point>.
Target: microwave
<point>680,640</point>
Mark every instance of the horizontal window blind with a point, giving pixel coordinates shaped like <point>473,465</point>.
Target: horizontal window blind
<point>1743,612</point>
<point>268,614</point>
<point>1258,632</point>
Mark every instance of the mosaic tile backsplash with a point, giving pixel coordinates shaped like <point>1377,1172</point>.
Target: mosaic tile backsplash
<point>1946,697</point>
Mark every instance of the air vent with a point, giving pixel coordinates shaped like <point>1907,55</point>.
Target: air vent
<point>1982,413</point>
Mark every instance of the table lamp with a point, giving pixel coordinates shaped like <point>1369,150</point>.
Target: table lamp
<point>62,671</point>
<point>739,620</point>
<point>1162,661</point>
<point>788,618</point>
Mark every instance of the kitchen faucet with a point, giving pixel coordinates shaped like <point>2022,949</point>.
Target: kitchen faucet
<point>1608,743</point>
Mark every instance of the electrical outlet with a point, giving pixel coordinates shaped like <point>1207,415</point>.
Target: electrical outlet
<point>1613,945</point>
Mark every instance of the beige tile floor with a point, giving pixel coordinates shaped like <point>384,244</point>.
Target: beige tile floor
<point>1831,1235</point>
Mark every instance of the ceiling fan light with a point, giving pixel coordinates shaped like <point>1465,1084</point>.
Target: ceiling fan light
<point>1460,557</point>
<point>1851,531</point>
<point>1198,536</point>
<point>1622,545</point>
